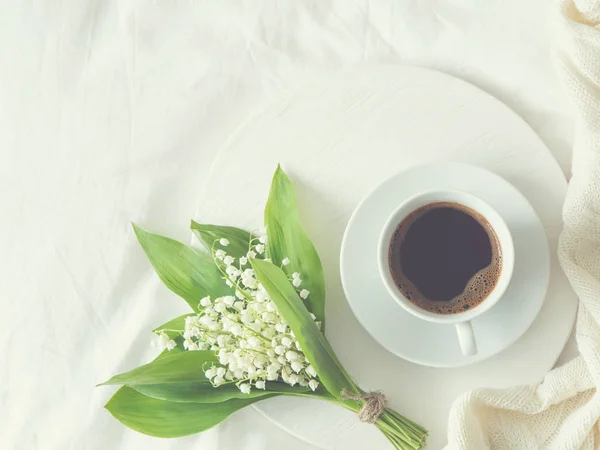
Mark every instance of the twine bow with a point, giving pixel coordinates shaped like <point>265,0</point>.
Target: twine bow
<point>374,404</point>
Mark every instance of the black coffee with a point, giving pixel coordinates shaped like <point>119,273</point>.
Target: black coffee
<point>445,258</point>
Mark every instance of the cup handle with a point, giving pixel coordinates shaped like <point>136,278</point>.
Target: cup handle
<point>466,338</point>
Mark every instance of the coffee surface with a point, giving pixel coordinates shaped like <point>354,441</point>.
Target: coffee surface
<point>445,258</point>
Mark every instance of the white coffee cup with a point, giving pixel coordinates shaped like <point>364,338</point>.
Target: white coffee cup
<point>461,320</point>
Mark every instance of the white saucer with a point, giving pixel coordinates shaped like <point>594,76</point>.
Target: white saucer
<point>424,342</point>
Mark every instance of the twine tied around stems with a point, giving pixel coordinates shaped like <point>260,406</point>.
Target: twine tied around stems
<point>374,404</point>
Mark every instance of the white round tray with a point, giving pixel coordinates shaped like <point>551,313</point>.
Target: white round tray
<point>338,138</point>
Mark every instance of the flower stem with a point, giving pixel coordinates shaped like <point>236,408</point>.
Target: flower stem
<point>402,433</point>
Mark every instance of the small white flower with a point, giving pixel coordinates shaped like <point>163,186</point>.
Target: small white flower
<point>159,341</point>
<point>245,388</point>
<point>220,254</point>
<point>228,300</point>
<point>263,239</point>
<point>295,275</point>
<point>261,296</point>
<point>210,373</point>
<point>205,302</point>
<point>240,295</point>
<point>292,356</point>
<point>279,350</point>
<point>286,341</point>
<point>190,321</point>
<point>293,379</point>
<point>280,328</point>
<point>244,362</point>
<point>311,371</point>
<point>296,282</point>
<point>226,323</point>
<point>268,260</point>
<point>243,260</point>
<point>224,358</point>
<point>313,384</point>
<point>274,368</point>
<point>231,270</point>
<point>229,260</point>
<point>162,341</point>
<point>221,371</point>
<point>260,248</point>
<point>304,294</point>
<point>254,341</point>
<point>272,376</point>
<point>285,261</point>
<point>218,380</point>
<point>251,254</point>
<point>224,242</point>
<point>191,331</point>
<point>260,361</point>
<point>268,317</point>
<point>188,344</point>
<point>260,384</point>
<point>238,305</point>
<point>271,307</point>
<point>249,281</point>
<point>261,231</point>
<point>268,332</point>
<point>297,366</point>
<point>228,283</point>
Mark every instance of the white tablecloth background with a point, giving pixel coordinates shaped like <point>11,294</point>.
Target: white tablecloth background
<point>112,112</point>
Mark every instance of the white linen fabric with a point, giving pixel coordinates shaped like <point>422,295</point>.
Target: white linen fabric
<point>112,111</point>
<point>563,411</point>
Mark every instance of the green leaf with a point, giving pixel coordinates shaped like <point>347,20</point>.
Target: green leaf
<point>166,419</point>
<point>239,240</point>
<point>189,273</point>
<point>206,393</point>
<point>288,239</point>
<point>180,377</point>
<point>178,323</point>
<point>186,366</point>
<point>314,345</point>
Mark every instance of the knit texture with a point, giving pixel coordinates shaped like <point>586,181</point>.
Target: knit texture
<point>562,412</point>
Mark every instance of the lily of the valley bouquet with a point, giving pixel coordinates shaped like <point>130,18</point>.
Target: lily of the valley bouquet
<point>255,331</point>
